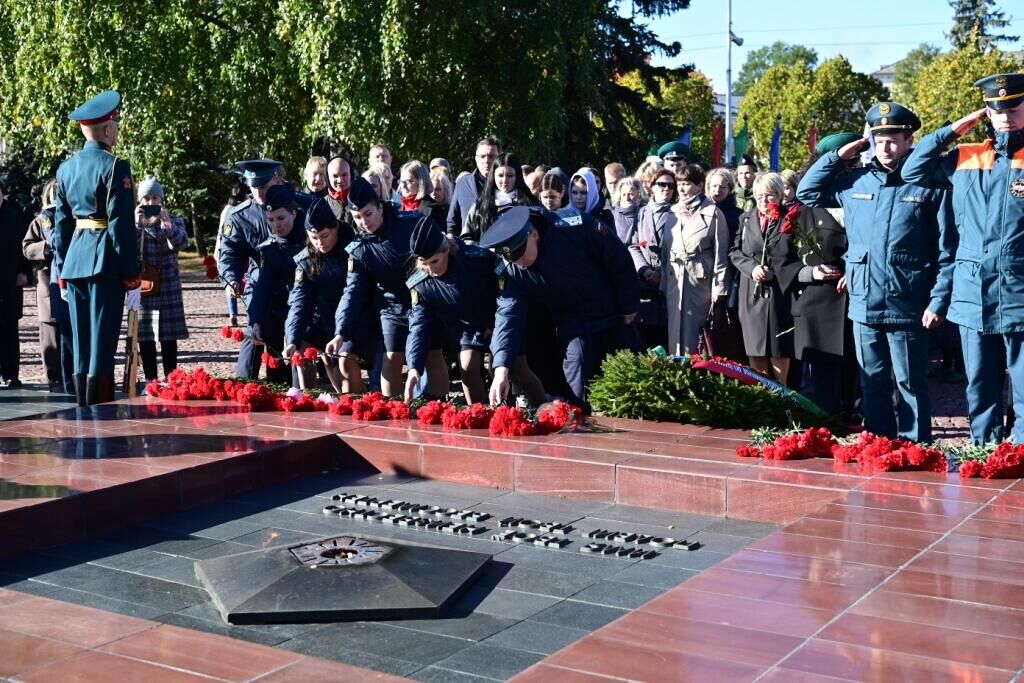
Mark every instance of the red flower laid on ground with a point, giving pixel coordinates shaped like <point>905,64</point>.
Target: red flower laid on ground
<point>476,416</point>
<point>1005,461</point>
<point>558,416</point>
<point>815,442</point>
<point>225,332</point>
<point>238,334</point>
<point>433,412</point>
<point>508,421</point>
<point>876,454</point>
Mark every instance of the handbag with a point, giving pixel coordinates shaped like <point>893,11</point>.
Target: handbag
<point>149,277</point>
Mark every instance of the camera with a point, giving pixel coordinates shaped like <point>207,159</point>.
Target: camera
<point>151,210</point>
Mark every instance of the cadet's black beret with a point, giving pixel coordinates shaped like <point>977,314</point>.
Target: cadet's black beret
<point>1002,91</point>
<point>427,238</point>
<point>320,216</point>
<point>280,197</point>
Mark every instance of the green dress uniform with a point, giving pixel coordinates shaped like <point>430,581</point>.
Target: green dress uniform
<point>96,250</point>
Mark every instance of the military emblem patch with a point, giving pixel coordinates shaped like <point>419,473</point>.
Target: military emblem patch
<point>1017,188</point>
<point>299,274</point>
<point>1002,92</point>
<point>884,108</point>
<point>885,121</point>
<point>351,263</point>
<point>501,283</point>
<point>227,229</point>
<point>415,297</point>
<point>1000,81</point>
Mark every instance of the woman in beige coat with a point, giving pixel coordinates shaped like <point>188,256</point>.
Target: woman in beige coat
<point>695,257</point>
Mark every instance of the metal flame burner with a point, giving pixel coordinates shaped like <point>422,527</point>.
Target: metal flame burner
<point>340,551</point>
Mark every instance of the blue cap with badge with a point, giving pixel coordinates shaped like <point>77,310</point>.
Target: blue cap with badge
<point>892,117</point>
<point>320,216</point>
<point>1002,91</point>
<point>102,107</point>
<point>280,197</point>
<point>507,235</point>
<point>258,172</point>
<point>427,238</point>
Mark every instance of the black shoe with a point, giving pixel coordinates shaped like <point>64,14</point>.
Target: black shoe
<point>99,389</point>
<point>81,390</point>
<point>14,384</point>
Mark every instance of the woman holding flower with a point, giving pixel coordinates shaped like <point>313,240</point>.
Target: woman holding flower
<point>654,221</point>
<point>765,256</point>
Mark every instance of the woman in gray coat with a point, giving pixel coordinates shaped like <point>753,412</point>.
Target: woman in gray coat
<point>654,221</point>
<point>695,260</point>
<point>163,313</point>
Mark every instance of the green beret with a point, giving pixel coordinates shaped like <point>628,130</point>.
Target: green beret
<point>835,142</point>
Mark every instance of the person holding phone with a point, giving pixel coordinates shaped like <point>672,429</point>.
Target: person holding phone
<point>163,311</point>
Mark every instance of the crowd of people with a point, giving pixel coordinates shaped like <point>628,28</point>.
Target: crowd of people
<point>833,278</point>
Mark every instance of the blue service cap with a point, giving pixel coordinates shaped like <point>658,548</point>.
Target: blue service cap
<point>835,142</point>
<point>361,194</point>
<point>100,108</point>
<point>1002,91</point>
<point>427,238</point>
<point>507,235</point>
<point>258,172</point>
<point>280,197</point>
<point>674,150</point>
<point>890,117</point>
<point>320,216</point>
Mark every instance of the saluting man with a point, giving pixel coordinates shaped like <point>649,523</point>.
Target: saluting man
<point>988,279</point>
<point>898,267</point>
<point>97,249</point>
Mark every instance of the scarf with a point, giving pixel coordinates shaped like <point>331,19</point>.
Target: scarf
<point>411,203</point>
<point>692,205</point>
<point>504,198</point>
<point>340,195</point>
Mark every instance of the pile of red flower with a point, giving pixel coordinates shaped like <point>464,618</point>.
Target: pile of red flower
<point>882,454</point>
<point>199,385</point>
<point>815,442</point>
<point>233,333</point>
<point>553,417</point>
<point>1006,461</point>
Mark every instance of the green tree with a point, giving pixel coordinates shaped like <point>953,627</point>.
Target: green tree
<point>907,71</point>
<point>977,21</point>
<point>834,93</point>
<point>945,89</point>
<point>760,60</point>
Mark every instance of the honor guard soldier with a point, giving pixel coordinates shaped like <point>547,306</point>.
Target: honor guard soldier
<point>268,304</point>
<point>96,246</point>
<point>675,154</point>
<point>586,276</point>
<point>320,272</point>
<point>245,228</point>
<point>898,267</point>
<point>988,278</point>
<point>458,288</point>
<point>379,262</point>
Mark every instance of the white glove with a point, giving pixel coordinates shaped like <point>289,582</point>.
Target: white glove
<point>133,299</point>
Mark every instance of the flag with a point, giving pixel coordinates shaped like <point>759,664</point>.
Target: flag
<point>812,138</point>
<point>740,142</point>
<point>685,136</point>
<point>717,141</point>
<point>776,149</point>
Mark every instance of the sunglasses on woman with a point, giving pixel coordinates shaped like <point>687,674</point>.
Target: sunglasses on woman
<point>666,186</point>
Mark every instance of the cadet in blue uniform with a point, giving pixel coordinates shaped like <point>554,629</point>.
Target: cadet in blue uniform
<point>585,275</point>
<point>268,304</point>
<point>988,278</point>
<point>458,286</point>
<point>379,263</point>
<point>96,246</point>
<point>320,272</point>
<point>245,228</point>
<point>898,267</point>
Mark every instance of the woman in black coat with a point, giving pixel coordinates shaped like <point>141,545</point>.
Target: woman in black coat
<point>765,256</point>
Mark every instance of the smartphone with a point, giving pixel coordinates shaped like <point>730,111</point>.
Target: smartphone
<point>151,210</point>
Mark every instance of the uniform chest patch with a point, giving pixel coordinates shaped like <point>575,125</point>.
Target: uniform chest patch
<point>1017,188</point>
<point>415,297</point>
<point>913,199</point>
<point>351,263</point>
<point>501,283</point>
<point>863,195</point>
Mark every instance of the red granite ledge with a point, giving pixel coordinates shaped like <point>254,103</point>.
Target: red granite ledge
<point>565,477</point>
<point>545,673</point>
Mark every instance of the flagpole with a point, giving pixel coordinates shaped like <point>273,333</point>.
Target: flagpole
<point>728,83</point>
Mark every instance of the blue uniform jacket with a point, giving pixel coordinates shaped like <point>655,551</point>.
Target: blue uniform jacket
<point>378,265</point>
<point>988,202</point>
<point>584,274</point>
<point>901,239</point>
<point>95,184</point>
<point>314,299</point>
<point>271,289</point>
<point>245,229</point>
<point>472,297</point>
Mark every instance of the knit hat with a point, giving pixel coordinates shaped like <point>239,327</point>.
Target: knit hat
<point>150,185</point>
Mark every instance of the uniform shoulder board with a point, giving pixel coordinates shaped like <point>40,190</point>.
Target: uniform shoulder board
<point>500,266</point>
<point>241,206</point>
<point>352,247</point>
<point>473,251</point>
<point>416,278</point>
<point>568,217</point>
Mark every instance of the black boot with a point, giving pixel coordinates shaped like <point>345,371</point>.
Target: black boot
<point>80,390</point>
<point>100,389</point>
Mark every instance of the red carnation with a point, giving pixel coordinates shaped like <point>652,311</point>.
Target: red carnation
<point>209,261</point>
<point>297,360</point>
<point>311,354</point>
<point>398,410</point>
<point>153,388</point>
<point>273,362</point>
<point>508,421</point>
<point>211,272</point>
<point>557,416</point>
<point>747,451</point>
<point>432,413</point>
<point>238,334</point>
<point>225,332</point>
<point>970,468</point>
<point>265,358</point>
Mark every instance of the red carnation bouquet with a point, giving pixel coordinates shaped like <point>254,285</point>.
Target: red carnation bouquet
<point>789,444</point>
<point>1003,460</point>
<point>881,454</point>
